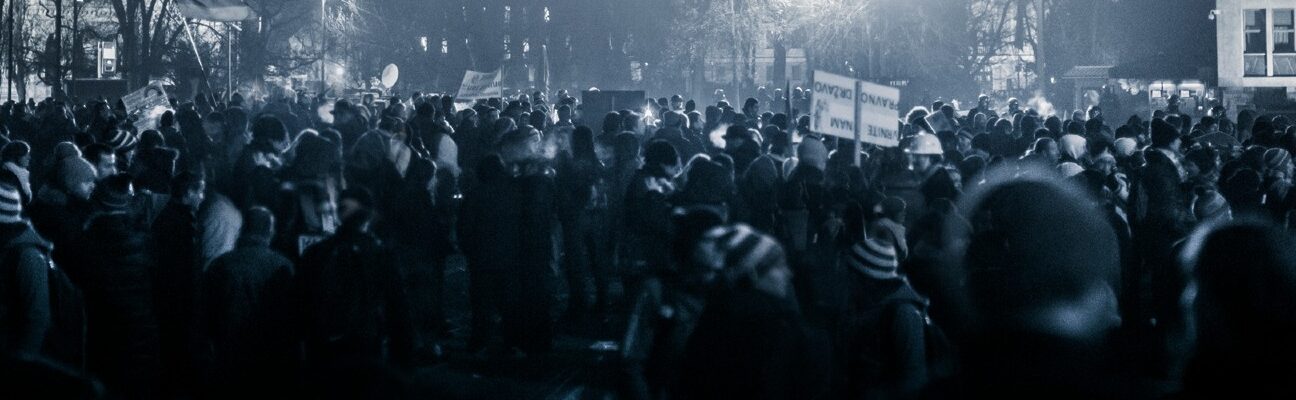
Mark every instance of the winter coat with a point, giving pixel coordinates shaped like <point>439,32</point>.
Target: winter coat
<point>175,278</point>
<point>647,218</point>
<point>60,218</point>
<point>246,314</point>
<point>114,269</point>
<point>24,290</point>
<point>880,339</point>
<point>659,328</point>
<point>748,345</point>
<point>354,307</point>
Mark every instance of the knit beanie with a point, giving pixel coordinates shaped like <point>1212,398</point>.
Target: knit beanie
<point>1211,206</point>
<point>10,204</point>
<point>1125,147</point>
<point>738,253</point>
<point>64,150</point>
<point>73,171</point>
<point>875,258</point>
<point>1275,158</point>
<point>812,152</point>
<point>1070,169</point>
<point>122,140</point>
<point>114,193</point>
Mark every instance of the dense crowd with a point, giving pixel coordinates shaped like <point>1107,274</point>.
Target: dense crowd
<point>297,247</point>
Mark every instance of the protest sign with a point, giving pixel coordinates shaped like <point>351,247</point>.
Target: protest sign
<point>481,85</point>
<point>147,105</point>
<point>878,109</point>
<point>834,105</point>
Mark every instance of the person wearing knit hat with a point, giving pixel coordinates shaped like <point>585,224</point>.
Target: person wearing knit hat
<point>122,140</point>
<point>1125,147</point>
<point>743,258</point>
<point>812,153</point>
<point>1277,162</point>
<point>76,177</point>
<point>1210,206</point>
<point>16,159</point>
<point>114,194</point>
<point>1072,147</point>
<point>1069,169</point>
<point>874,258</point>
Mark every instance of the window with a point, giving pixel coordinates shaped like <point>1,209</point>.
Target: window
<point>1284,42</point>
<point>1254,56</point>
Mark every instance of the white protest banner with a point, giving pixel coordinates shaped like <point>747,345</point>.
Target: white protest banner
<point>879,106</point>
<point>834,105</point>
<point>147,105</point>
<point>481,85</point>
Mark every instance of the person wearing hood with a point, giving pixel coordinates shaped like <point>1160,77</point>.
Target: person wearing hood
<point>63,205</point>
<point>113,266</point>
<point>375,161</point>
<point>1072,149</point>
<point>348,120</point>
<point>245,314</point>
<point>802,198</point>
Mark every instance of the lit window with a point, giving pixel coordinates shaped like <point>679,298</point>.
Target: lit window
<point>445,46</point>
<point>507,13</point>
<point>1254,55</point>
<point>1284,47</point>
<point>423,42</point>
<point>546,14</point>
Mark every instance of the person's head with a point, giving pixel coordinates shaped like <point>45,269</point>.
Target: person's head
<point>983,102</point>
<point>76,177</point>
<point>354,201</point>
<point>188,188</point>
<point>1047,149</point>
<point>612,122</point>
<point>16,152</point>
<point>1165,135</point>
<point>582,142</point>
<point>662,154</point>
<point>103,158</point>
<point>114,193</point>
<point>270,130</point>
<point>924,151</point>
<point>1242,309</point>
<point>214,124</point>
<point>744,259</point>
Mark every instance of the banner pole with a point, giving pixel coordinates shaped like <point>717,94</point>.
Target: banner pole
<point>855,100</point>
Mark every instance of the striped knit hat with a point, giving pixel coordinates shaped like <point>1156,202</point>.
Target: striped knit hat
<point>10,204</point>
<point>875,258</point>
<point>738,253</point>
<point>122,140</point>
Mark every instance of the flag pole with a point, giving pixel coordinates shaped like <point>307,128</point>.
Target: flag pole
<point>194,45</point>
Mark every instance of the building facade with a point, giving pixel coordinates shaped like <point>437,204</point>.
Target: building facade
<point>1256,45</point>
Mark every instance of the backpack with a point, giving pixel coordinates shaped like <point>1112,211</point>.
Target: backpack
<point>65,340</point>
<point>865,335</point>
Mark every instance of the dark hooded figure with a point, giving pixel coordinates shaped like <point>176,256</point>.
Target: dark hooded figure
<point>1039,309</point>
<point>25,316</point>
<point>113,266</point>
<point>246,313</point>
<point>254,180</point>
<point>532,182</point>
<point>1244,311</point>
<point>647,212</point>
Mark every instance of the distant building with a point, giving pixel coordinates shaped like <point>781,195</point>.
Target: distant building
<point>1256,44</point>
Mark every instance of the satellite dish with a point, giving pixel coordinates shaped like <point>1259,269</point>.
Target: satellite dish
<point>389,75</point>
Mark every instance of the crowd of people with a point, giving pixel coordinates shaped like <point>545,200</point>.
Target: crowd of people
<point>298,247</point>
